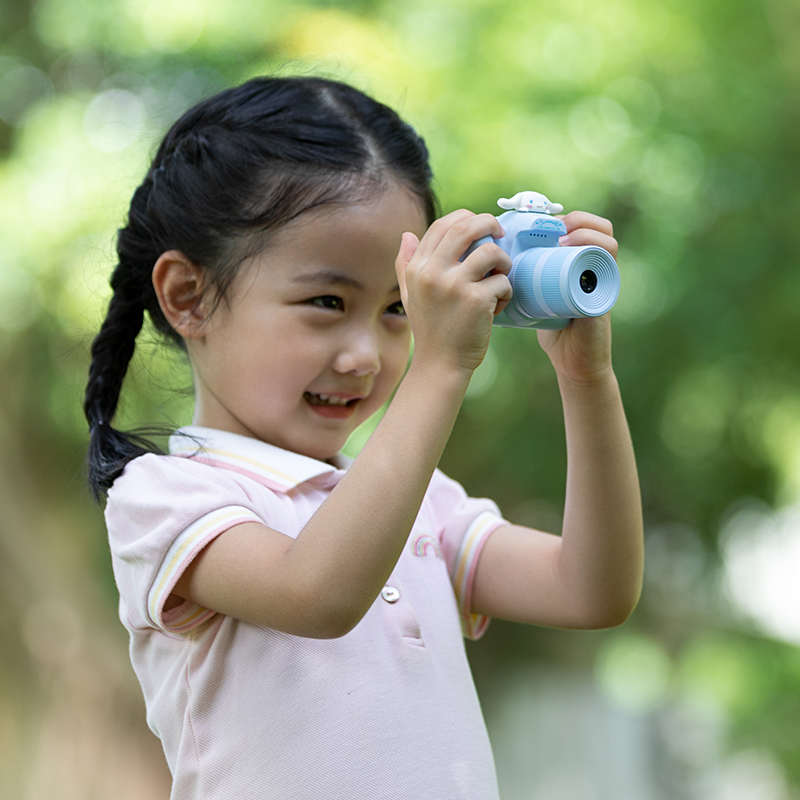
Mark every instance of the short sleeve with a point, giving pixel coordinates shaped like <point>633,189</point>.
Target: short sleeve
<point>161,512</point>
<point>463,525</point>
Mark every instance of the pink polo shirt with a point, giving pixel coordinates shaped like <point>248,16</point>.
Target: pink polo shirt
<point>387,712</point>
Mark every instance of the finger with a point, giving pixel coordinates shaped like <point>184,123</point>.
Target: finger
<point>501,306</point>
<point>466,231</point>
<point>584,236</point>
<point>488,258</point>
<point>408,246</point>
<point>439,229</point>
<point>499,287</point>
<point>583,219</point>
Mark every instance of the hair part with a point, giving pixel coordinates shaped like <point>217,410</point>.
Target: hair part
<point>230,173</point>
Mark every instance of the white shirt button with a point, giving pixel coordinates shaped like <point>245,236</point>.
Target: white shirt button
<point>390,594</point>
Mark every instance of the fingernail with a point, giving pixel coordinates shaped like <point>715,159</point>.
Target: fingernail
<point>564,239</point>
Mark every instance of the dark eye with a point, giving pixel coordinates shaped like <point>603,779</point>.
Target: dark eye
<point>330,301</point>
<point>396,308</point>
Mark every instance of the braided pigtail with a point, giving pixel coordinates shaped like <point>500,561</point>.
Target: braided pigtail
<point>112,349</point>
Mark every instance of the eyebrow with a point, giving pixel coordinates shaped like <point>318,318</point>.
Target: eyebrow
<point>331,277</point>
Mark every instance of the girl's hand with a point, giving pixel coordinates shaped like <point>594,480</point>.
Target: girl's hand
<point>582,351</point>
<point>451,304</point>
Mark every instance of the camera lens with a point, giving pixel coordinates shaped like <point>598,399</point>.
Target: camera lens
<point>588,281</point>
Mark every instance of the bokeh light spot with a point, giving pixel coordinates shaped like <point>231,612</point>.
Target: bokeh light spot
<point>114,120</point>
<point>570,53</point>
<point>674,164</point>
<point>761,552</point>
<point>20,86</point>
<point>173,26</point>
<point>696,412</point>
<point>599,126</point>
<point>633,672</point>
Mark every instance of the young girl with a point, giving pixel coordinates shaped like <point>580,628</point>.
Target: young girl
<point>296,619</point>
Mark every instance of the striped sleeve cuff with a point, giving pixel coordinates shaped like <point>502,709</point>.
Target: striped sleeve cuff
<point>463,571</point>
<point>185,547</point>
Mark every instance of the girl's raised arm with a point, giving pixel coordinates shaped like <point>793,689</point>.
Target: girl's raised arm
<point>590,576</point>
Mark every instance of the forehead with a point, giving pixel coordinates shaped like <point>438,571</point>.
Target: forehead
<point>360,238</point>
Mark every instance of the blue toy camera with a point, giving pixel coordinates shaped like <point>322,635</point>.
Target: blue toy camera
<point>551,284</point>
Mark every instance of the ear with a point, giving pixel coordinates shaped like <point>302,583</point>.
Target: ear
<point>179,285</point>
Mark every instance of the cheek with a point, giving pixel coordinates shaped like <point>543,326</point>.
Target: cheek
<point>289,371</point>
<point>396,359</point>
<point>288,354</point>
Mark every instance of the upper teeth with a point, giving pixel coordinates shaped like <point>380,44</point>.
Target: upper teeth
<point>336,401</point>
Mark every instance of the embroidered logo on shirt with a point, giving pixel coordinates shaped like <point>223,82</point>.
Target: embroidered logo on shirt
<point>425,545</point>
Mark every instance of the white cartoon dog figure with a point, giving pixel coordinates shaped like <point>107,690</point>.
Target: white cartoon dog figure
<point>530,201</point>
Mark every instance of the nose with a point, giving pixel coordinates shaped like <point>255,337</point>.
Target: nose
<point>359,353</point>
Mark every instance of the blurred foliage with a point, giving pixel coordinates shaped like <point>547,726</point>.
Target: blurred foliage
<point>677,120</point>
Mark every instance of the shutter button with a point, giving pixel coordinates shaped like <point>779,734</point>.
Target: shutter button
<point>390,594</point>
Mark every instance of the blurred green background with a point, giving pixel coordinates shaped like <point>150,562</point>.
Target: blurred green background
<point>677,120</point>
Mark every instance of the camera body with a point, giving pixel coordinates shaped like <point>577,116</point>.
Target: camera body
<point>551,284</point>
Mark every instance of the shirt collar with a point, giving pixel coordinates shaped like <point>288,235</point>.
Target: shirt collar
<point>278,469</point>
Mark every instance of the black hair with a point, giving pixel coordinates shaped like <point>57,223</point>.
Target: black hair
<point>231,171</point>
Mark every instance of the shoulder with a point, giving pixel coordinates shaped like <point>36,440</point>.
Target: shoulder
<point>153,488</point>
<point>444,495</point>
<point>161,512</point>
<point>161,475</point>
<point>443,486</point>
<point>154,466</point>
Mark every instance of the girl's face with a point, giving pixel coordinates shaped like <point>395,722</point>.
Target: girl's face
<point>313,340</point>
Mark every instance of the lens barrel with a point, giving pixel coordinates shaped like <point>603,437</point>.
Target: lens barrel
<point>564,282</point>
